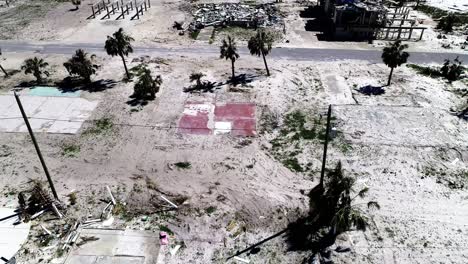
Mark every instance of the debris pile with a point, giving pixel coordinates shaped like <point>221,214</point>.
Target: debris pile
<point>36,202</point>
<point>233,14</point>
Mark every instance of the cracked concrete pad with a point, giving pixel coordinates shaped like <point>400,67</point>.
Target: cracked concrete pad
<point>63,115</point>
<point>395,125</point>
<point>116,246</point>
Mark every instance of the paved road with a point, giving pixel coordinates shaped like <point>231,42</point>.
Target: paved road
<point>296,54</point>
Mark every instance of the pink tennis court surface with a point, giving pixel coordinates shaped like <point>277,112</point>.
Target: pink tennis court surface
<point>237,119</point>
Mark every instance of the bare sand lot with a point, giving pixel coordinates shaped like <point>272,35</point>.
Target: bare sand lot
<point>221,164</point>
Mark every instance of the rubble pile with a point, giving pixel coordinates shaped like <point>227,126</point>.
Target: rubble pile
<point>250,16</point>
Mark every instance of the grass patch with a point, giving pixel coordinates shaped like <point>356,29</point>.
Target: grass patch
<point>183,165</point>
<point>120,209</point>
<point>72,198</point>
<point>297,131</point>
<point>70,150</point>
<point>293,164</point>
<point>425,70</point>
<point>210,210</point>
<point>166,229</point>
<point>194,34</point>
<point>101,126</point>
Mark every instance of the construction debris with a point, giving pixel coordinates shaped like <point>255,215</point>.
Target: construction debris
<point>36,202</point>
<point>167,200</point>
<point>234,14</point>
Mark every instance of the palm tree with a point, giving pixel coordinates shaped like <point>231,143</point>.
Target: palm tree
<point>340,211</point>
<point>146,84</point>
<point>394,56</point>
<point>36,67</point>
<point>260,44</point>
<point>1,68</point>
<point>229,52</point>
<point>452,71</point>
<point>76,3</point>
<point>81,65</point>
<point>119,45</point>
<point>197,77</point>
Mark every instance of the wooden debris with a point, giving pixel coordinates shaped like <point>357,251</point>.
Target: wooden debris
<point>111,196</point>
<point>241,259</point>
<point>167,200</point>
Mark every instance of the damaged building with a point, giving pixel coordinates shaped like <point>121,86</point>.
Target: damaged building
<point>248,16</point>
<point>356,18</point>
<point>371,19</point>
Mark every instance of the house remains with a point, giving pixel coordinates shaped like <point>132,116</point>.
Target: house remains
<point>234,14</point>
<point>370,19</point>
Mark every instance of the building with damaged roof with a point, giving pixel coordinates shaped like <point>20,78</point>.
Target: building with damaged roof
<point>360,18</point>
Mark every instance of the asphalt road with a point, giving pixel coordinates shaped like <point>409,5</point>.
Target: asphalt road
<point>296,54</point>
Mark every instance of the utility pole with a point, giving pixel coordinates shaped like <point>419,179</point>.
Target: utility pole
<point>44,166</point>
<point>325,147</point>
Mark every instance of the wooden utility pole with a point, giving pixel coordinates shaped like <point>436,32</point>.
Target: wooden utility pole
<point>325,147</point>
<point>36,146</point>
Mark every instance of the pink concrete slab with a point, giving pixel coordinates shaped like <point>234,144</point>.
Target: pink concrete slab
<point>244,127</point>
<point>196,116</point>
<point>197,125</point>
<point>233,111</point>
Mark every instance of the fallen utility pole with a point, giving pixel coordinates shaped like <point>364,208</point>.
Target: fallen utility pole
<point>36,146</point>
<point>325,147</point>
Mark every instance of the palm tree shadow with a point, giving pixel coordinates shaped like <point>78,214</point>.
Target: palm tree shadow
<point>371,90</point>
<point>139,101</point>
<point>26,84</point>
<point>71,84</point>
<point>205,87</point>
<point>243,79</point>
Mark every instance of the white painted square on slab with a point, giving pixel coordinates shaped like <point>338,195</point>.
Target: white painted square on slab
<point>222,128</point>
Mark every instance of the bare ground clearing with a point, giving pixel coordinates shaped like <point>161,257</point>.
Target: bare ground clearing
<point>402,145</point>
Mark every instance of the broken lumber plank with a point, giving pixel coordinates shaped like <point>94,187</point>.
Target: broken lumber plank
<point>167,200</point>
<point>110,194</point>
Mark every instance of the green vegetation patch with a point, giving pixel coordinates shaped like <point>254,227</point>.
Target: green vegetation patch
<point>298,130</point>
<point>70,150</point>
<point>183,165</point>
<point>101,126</point>
<point>425,70</point>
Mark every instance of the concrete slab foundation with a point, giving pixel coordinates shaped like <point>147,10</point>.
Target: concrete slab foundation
<point>63,115</point>
<point>116,247</point>
<point>237,119</point>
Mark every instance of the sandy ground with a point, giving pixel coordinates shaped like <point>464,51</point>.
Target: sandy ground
<point>404,145</point>
<point>450,5</point>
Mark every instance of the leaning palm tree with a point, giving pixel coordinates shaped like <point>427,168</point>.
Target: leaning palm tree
<point>119,45</point>
<point>228,51</point>
<point>260,45</point>
<point>394,56</point>
<point>36,67</point>
<point>1,68</point>
<point>196,77</point>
